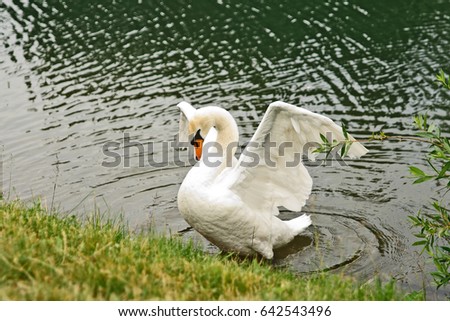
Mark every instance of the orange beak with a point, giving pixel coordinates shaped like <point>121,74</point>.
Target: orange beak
<point>198,145</point>
<point>197,141</point>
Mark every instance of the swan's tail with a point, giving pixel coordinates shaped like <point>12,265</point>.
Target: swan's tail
<point>299,224</point>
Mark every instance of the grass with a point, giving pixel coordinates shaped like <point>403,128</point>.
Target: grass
<point>46,257</point>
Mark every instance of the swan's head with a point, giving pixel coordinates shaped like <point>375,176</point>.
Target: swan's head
<point>199,127</point>
<point>198,123</point>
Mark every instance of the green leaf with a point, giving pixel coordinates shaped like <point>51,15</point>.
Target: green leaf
<point>324,139</point>
<point>437,206</point>
<point>345,149</point>
<point>423,122</point>
<point>419,243</point>
<point>416,171</point>
<point>423,179</point>
<point>425,135</point>
<point>344,130</point>
<point>444,170</point>
<point>420,121</point>
<point>438,275</point>
<point>446,144</point>
<point>414,220</point>
<point>441,79</point>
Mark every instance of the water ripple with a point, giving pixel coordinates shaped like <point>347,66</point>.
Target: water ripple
<point>75,75</point>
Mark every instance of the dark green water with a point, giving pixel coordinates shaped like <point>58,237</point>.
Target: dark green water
<point>75,75</point>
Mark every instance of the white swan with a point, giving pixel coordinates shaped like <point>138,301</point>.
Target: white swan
<point>234,202</point>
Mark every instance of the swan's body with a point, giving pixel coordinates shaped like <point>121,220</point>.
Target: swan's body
<point>234,202</point>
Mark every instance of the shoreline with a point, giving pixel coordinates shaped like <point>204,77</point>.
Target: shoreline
<point>48,257</point>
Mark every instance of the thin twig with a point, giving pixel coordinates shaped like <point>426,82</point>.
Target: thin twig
<point>54,185</point>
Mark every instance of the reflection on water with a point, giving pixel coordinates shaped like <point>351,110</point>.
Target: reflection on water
<point>75,75</point>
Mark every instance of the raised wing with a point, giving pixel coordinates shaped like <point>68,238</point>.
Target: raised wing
<point>269,171</point>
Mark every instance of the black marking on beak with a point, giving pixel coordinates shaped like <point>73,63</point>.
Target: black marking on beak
<point>196,137</point>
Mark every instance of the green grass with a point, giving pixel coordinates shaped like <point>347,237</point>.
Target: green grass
<point>46,257</point>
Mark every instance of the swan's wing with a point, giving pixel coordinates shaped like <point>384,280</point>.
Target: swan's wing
<point>276,177</point>
<point>186,114</point>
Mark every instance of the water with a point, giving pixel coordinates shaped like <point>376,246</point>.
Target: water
<point>75,75</point>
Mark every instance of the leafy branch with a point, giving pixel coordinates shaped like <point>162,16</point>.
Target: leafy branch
<point>328,146</point>
<point>434,235</point>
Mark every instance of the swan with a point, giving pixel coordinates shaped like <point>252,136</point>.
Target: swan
<point>234,202</point>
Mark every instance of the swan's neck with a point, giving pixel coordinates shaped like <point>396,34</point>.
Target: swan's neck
<point>227,130</point>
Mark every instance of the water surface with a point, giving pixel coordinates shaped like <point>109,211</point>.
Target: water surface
<point>75,75</point>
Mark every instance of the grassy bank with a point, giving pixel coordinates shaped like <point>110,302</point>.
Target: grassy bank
<point>43,257</point>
